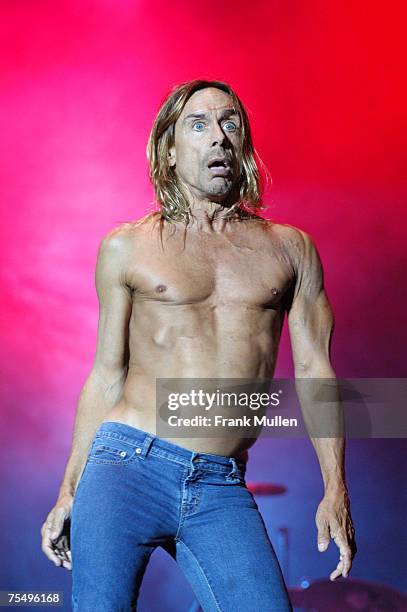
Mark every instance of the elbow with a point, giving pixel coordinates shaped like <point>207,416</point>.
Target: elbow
<point>109,377</point>
<point>316,367</point>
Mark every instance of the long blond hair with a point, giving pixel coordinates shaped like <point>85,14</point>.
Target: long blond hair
<point>169,192</point>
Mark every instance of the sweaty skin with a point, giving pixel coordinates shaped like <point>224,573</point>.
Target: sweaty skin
<point>211,306</point>
<point>206,302</point>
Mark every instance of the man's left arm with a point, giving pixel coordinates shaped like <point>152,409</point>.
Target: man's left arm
<point>311,323</point>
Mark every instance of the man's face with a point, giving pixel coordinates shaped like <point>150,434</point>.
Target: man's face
<point>207,149</point>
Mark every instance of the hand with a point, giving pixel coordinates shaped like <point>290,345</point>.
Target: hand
<point>55,533</point>
<point>333,520</point>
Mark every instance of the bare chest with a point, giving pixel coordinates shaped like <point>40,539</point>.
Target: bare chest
<point>216,271</point>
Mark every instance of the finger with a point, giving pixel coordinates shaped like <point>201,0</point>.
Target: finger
<point>323,537</point>
<point>62,543</point>
<point>49,552</point>
<point>63,556</point>
<point>67,565</point>
<point>48,547</point>
<point>347,564</point>
<point>346,558</point>
<point>60,554</point>
<point>337,572</point>
<point>345,553</point>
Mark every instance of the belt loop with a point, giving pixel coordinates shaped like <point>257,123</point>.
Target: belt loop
<point>194,457</point>
<point>148,440</point>
<point>194,466</point>
<point>235,470</point>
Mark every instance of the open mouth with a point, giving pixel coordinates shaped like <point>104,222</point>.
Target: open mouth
<point>216,163</point>
<point>219,167</point>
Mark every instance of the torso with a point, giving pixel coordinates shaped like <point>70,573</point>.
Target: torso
<point>212,308</point>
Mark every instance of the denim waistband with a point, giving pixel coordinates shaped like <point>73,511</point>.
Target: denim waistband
<point>149,443</point>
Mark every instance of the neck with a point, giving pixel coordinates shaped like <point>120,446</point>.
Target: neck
<point>207,215</point>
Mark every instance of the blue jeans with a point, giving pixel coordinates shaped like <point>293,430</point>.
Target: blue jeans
<point>137,492</point>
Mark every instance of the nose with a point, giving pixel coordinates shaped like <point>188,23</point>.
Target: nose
<point>217,134</point>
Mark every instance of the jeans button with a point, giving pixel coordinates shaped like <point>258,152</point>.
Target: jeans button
<point>138,450</point>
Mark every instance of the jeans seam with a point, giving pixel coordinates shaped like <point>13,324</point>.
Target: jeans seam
<point>181,506</point>
<point>162,454</point>
<point>168,457</point>
<point>116,436</point>
<point>203,574</point>
<point>154,453</point>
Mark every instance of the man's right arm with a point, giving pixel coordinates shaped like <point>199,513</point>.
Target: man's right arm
<point>104,384</point>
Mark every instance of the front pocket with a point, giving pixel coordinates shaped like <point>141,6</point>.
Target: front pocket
<point>117,452</point>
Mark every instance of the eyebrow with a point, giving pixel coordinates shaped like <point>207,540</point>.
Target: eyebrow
<point>229,112</point>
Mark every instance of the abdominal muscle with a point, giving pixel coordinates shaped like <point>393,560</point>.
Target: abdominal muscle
<point>242,347</point>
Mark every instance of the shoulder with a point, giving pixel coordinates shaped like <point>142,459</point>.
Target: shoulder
<point>297,243</point>
<point>293,243</point>
<point>120,240</point>
<point>120,247</point>
<point>293,237</point>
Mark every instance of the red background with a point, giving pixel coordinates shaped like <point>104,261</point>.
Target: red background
<point>80,84</point>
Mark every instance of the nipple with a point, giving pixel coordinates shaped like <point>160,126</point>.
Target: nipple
<point>275,291</point>
<point>161,288</point>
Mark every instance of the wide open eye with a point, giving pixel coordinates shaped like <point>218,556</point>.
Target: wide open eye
<point>230,126</point>
<point>199,126</point>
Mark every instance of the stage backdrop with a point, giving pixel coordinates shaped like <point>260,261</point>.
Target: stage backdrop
<point>80,84</point>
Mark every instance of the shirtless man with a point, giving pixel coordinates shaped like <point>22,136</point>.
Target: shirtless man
<point>198,289</point>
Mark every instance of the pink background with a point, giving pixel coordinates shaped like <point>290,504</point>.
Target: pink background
<point>80,84</point>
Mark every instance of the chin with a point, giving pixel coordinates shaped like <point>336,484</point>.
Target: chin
<point>219,193</point>
<point>220,190</point>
